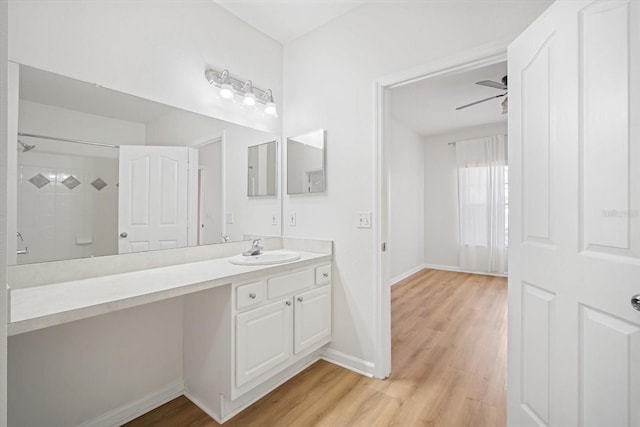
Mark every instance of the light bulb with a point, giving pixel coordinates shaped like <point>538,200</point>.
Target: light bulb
<point>226,91</point>
<point>249,99</point>
<point>270,109</point>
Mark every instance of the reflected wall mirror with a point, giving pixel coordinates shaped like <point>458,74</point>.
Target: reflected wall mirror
<point>262,169</point>
<point>100,172</point>
<point>306,163</point>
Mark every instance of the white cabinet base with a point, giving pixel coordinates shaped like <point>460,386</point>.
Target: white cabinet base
<point>224,409</point>
<point>237,350</point>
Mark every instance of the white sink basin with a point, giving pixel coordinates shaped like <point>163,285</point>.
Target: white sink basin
<point>268,257</point>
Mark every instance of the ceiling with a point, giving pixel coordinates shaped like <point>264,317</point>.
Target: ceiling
<point>286,20</point>
<point>428,107</point>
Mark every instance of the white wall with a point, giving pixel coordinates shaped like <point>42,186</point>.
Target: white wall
<point>406,188</point>
<point>329,79</point>
<point>66,375</point>
<point>155,49</point>
<point>441,195</point>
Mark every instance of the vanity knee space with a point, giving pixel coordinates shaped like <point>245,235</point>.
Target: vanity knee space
<point>268,330</point>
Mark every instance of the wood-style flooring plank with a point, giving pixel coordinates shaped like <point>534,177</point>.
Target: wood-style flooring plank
<point>449,344</point>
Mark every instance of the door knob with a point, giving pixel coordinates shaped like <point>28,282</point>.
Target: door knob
<point>123,234</point>
<point>635,302</point>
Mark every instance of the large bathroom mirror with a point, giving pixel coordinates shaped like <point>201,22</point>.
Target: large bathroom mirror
<point>262,169</point>
<point>306,163</point>
<point>100,172</point>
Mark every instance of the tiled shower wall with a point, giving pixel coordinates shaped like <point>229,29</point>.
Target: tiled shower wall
<point>61,215</point>
<point>59,221</point>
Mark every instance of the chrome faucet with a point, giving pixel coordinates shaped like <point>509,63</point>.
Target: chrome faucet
<point>225,238</point>
<point>255,249</point>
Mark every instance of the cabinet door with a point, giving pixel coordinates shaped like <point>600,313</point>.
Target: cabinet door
<point>263,340</point>
<point>312,318</point>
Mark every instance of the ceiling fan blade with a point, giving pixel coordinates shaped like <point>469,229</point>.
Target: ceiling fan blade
<point>482,100</point>
<point>492,84</point>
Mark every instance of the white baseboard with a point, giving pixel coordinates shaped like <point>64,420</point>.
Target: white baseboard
<point>459,270</point>
<point>204,407</point>
<point>360,366</point>
<point>133,410</point>
<point>406,274</point>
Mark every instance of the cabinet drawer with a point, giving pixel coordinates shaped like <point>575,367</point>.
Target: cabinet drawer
<point>290,283</point>
<point>323,274</point>
<point>249,295</point>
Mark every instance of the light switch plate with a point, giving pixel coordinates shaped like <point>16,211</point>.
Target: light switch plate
<point>292,219</point>
<point>274,218</point>
<point>364,220</point>
<point>228,218</point>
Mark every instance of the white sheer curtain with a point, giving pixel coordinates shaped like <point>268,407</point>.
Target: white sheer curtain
<point>481,165</point>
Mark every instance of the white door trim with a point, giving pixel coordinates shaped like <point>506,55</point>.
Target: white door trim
<point>481,56</point>
<point>223,183</point>
<point>4,209</point>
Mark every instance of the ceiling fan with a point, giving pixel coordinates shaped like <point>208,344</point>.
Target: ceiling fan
<point>496,85</point>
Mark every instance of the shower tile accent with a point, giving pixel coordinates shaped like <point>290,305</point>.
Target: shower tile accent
<point>71,182</point>
<point>39,180</point>
<point>98,184</point>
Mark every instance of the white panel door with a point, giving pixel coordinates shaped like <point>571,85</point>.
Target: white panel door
<point>263,340</point>
<point>574,165</point>
<point>312,318</point>
<point>152,198</point>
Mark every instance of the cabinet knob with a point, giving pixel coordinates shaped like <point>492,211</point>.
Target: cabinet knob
<point>123,234</point>
<point>300,299</point>
<point>252,295</point>
<point>325,275</point>
<point>288,302</point>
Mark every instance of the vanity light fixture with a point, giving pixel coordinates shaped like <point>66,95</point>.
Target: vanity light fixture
<point>249,99</point>
<point>251,95</point>
<point>270,107</point>
<point>226,90</point>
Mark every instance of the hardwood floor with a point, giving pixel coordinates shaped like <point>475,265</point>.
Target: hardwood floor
<point>449,363</point>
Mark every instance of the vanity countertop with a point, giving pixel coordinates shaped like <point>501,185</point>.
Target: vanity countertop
<point>54,304</point>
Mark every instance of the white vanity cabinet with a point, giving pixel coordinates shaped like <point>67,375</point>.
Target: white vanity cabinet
<point>267,331</point>
<point>263,340</point>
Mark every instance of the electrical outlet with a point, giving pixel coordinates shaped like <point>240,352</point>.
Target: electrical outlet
<point>364,220</point>
<point>292,219</point>
<point>274,218</point>
<point>228,218</point>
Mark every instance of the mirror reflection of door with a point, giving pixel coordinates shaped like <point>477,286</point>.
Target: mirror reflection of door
<point>153,197</point>
<point>262,170</point>
<point>210,192</point>
<point>314,181</point>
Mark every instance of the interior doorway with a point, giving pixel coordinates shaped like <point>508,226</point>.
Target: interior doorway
<point>455,66</point>
<point>210,191</point>
<point>447,163</point>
